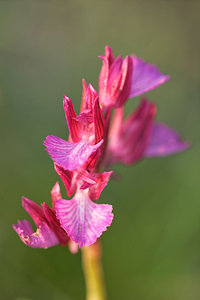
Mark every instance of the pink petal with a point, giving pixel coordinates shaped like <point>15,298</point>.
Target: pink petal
<point>101,181</point>
<point>55,224</point>
<point>109,55</point>
<point>67,178</point>
<point>129,141</point>
<point>164,141</point>
<point>34,210</point>
<point>74,127</point>
<point>145,77</point>
<point>55,194</point>
<point>83,220</point>
<point>83,101</point>
<point>91,96</point>
<point>85,116</point>
<point>87,178</point>
<point>125,85</point>
<point>115,76</point>
<point>69,155</point>
<point>44,237</point>
<point>103,78</point>
<point>98,121</point>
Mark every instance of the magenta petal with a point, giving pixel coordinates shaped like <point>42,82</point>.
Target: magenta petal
<point>55,224</point>
<point>74,127</point>
<point>69,155</point>
<point>85,116</point>
<point>109,55</point>
<point>101,181</point>
<point>44,237</point>
<point>145,77</point>
<point>55,194</point>
<point>34,210</point>
<point>164,141</point>
<point>98,121</point>
<point>87,179</point>
<point>83,220</point>
<point>67,178</point>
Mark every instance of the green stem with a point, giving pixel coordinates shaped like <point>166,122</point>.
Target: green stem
<point>92,268</point>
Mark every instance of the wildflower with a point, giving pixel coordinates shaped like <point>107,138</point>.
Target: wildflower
<point>121,79</point>
<point>75,161</point>
<point>49,232</point>
<point>94,144</point>
<point>82,218</point>
<point>140,136</point>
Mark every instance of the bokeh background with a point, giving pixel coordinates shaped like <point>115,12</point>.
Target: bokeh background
<point>152,249</point>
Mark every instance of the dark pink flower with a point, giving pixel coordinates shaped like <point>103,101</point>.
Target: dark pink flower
<point>75,161</point>
<point>121,79</point>
<point>86,131</point>
<point>49,232</point>
<point>140,136</point>
<point>82,218</point>
<point>114,79</point>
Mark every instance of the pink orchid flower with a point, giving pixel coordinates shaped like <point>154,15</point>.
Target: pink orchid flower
<point>49,232</point>
<point>140,136</point>
<point>82,218</point>
<point>121,79</point>
<point>75,161</point>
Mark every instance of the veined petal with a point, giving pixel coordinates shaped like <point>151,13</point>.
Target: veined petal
<point>69,155</point>
<point>109,54</point>
<point>44,237</point>
<point>83,220</point>
<point>164,141</point>
<point>103,77</point>
<point>74,127</point>
<point>55,224</point>
<point>115,76</point>
<point>101,181</point>
<point>98,121</point>
<point>83,101</point>
<point>87,178</point>
<point>130,142</point>
<point>145,77</point>
<point>91,95</point>
<point>67,178</point>
<point>85,116</point>
<point>34,210</point>
<point>125,85</point>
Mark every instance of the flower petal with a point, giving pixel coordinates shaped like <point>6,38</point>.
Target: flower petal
<point>74,127</point>
<point>55,194</point>
<point>129,143</point>
<point>87,178</point>
<point>164,141</point>
<point>98,121</point>
<point>34,210</point>
<point>101,181</point>
<point>67,178</point>
<point>44,237</point>
<point>145,77</point>
<point>55,225</point>
<point>69,155</point>
<point>83,220</point>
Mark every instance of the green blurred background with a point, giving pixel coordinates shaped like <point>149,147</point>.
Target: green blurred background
<point>152,249</point>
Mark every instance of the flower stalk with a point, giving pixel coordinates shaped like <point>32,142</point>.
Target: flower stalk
<point>93,272</point>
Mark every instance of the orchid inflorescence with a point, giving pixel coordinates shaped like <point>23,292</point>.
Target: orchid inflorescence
<point>99,137</point>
